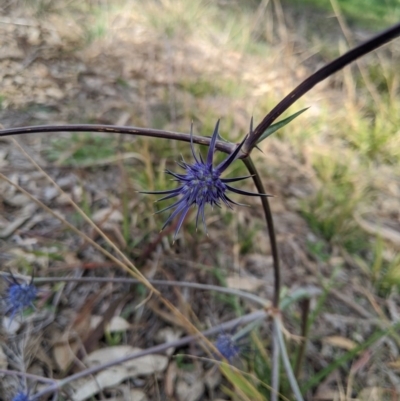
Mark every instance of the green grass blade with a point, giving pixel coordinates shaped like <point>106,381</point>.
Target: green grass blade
<point>274,127</point>
<point>317,378</point>
<point>241,383</point>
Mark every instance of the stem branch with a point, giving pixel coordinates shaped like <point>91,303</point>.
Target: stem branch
<point>115,129</point>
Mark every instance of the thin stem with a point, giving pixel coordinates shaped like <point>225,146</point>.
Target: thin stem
<point>27,376</point>
<point>123,280</point>
<point>275,363</point>
<point>286,362</point>
<point>258,315</point>
<point>115,129</point>
<point>270,225</point>
<point>277,279</point>
<point>318,77</point>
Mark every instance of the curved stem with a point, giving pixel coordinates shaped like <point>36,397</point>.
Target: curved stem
<point>123,280</point>
<point>317,77</point>
<point>270,225</point>
<point>115,129</point>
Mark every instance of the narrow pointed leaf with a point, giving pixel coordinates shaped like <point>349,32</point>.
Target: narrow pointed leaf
<point>274,127</point>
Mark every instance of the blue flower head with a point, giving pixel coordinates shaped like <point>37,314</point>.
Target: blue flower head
<point>201,184</point>
<point>227,346</point>
<point>19,296</point>
<point>21,396</point>
<point>231,344</point>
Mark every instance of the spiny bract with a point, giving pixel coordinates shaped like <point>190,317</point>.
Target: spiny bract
<point>202,184</point>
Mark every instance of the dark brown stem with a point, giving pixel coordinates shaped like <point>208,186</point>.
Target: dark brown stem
<point>270,225</point>
<point>115,129</point>
<point>317,77</point>
<point>277,276</point>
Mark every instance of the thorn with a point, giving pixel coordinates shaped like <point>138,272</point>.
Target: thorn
<point>259,149</point>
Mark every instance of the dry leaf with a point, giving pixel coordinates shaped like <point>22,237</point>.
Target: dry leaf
<point>212,378</point>
<point>361,361</point>
<point>326,395</point>
<point>327,390</point>
<point>170,377</point>
<point>145,365</point>
<point>167,335</point>
<point>116,324</point>
<point>371,394</point>
<point>395,364</point>
<point>11,326</point>
<point>3,359</point>
<point>107,378</point>
<point>132,395</point>
<point>25,214</point>
<point>189,392</point>
<point>107,214</point>
<point>64,353</point>
<point>340,342</point>
<point>55,93</point>
<point>244,283</point>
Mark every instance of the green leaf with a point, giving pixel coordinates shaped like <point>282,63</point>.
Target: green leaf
<point>242,385</point>
<point>274,127</point>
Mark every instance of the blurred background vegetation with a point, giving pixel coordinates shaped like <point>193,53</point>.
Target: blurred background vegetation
<point>334,171</point>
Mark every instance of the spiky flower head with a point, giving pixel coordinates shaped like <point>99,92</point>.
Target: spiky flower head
<point>201,184</point>
<point>19,295</point>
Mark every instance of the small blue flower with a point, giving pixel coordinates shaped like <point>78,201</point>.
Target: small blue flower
<point>227,346</point>
<point>19,296</point>
<point>21,396</point>
<point>201,184</point>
